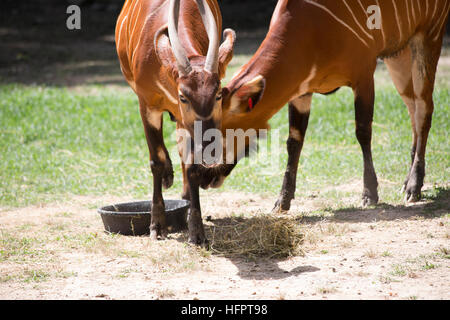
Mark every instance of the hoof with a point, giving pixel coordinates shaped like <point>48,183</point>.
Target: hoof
<point>367,201</point>
<point>158,235</point>
<point>412,193</point>
<point>282,205</point>
<point>279,208</point>
<point>412,197</point>
<point>167,180</point>
<point>199,240</point>
<point>369,198</point>
<point>196,230</point>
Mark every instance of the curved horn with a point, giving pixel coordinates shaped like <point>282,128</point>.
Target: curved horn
<point>212,58</point>
<point>184,66</point>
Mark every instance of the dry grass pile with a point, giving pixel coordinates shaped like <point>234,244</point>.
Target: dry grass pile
<point>260,236</point>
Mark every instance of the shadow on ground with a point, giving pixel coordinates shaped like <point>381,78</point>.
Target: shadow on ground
<point>260,268</point>
<point>432,206</point>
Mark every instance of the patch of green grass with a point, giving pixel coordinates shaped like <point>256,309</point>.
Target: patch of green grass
<point>36,276</point>
<point>88,241</point>
<point>130,253</point>
<point>399,270</point>
<point>13,247</point>
<point>55,143</point>
<point>429,265</point>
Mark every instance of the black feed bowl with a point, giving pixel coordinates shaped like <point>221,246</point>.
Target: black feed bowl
<point>133,218</point>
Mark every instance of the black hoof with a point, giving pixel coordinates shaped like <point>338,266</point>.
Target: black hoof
<point>199,240</point>
<point>369,198</point>
<point>281,206</point>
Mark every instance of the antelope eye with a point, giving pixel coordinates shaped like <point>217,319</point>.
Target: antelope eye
<point>219,96</point>
<point>183,99</point>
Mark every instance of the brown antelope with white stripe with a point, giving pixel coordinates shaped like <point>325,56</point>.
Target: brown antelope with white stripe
<point>318,46</point>
<point>174,63</point>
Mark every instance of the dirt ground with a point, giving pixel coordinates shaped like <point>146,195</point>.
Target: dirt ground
<point>59,250</point>
<point>382,253</point>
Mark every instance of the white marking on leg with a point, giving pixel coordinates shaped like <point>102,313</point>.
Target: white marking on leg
<point>161,154</point>
<point>295,134</point>
<point>338,20</point>
<point>356,20</point>
<point>167,93</point>
<point>302,104</point>
<point>304,86</point>
<point>154,119</point>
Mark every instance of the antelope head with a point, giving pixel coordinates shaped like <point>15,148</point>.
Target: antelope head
<point>198,78</point>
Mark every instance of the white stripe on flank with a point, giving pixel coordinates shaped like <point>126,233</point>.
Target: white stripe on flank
<point>134,8</point>
<point>420,11</point>
<point>120,32</point>
<point>132,31</point>
<point>337,19</point>
<point>363,9</point>
<point>426,8</point>
<point>143,27</point>
<point>167,93</point>
<point>382,24</point>
<point>131,14</point>
<point>356,20</point>
<point>398,20</point>
<point>407,13</point>
<point>136,18</point>
<point>443,17</point>
<point>435,9</point>
<point>414,12</point>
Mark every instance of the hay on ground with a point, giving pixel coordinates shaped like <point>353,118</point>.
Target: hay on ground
<point>260,236</point>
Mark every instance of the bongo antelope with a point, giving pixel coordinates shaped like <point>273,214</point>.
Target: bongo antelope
<point>170,54</point>
<point>318,46</point>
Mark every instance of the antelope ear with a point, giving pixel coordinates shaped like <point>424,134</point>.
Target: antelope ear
<point>163,48</point>
<point>226,51</point>
<point>246,97</point>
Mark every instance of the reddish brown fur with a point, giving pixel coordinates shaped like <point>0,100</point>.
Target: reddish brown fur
<point>317,46</point>
<point>156,68</point>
